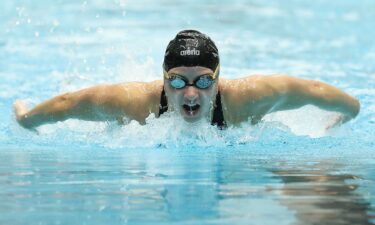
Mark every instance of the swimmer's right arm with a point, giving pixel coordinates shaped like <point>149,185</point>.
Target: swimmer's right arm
<point>100,103</point>
<point>83,104</point>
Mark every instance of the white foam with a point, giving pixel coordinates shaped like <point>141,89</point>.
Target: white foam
<point>171,131</point>
<point>308,120</point>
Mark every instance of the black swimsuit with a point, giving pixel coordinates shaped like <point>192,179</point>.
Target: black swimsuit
<point>217,119</point>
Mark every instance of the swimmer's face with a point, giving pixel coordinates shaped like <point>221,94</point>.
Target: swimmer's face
<point>191,102</point>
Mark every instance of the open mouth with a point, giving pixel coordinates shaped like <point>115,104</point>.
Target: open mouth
<point>191,109</point>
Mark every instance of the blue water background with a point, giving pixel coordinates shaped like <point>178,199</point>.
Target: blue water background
<point>287,170</point>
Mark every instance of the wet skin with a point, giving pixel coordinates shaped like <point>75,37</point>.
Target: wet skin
<point>246,99</point>
<point>191,102</point>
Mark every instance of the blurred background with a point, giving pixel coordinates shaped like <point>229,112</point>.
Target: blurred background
<point>287,170</point>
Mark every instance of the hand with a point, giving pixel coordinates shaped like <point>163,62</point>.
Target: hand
<point>20,110</point>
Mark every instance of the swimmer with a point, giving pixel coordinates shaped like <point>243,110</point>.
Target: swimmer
<point>192,88</point>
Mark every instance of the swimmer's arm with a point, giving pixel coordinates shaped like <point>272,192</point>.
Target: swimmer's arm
<point>100,103</point>
<point>84,104</point>
<point>292,92</point>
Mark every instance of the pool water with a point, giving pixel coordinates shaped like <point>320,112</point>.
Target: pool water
<point>286,170</point>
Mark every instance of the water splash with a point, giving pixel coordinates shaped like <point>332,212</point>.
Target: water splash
<point>170,131</point>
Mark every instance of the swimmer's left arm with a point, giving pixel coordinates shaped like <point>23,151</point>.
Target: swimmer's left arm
<point>255,96</point>
<point>295,92</point>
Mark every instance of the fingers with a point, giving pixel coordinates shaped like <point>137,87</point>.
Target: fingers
<point>21,111</point>
<point>19,108</point>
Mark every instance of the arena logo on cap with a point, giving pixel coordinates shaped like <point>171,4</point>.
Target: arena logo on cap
<point>190,52</point>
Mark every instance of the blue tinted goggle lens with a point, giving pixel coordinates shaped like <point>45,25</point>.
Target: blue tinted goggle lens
<point>202,82</point>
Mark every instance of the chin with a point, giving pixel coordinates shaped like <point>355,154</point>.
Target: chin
<point>192,119</point>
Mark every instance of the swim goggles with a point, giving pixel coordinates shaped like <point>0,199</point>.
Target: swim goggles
<point>202,82</point>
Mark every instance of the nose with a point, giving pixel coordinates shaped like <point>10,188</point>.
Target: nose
<point>191,94</point>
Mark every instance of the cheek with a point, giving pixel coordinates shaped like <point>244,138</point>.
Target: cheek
<point>208,98</point>
<point>177,98</point>
<point>174,96</point>
<point>210,95</point>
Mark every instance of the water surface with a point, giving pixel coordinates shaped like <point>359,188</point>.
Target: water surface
<point>287,170</point>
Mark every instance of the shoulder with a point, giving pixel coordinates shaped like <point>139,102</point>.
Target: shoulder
<point>123,93</point>
<point>134,99</point>
<point>136,91</point>
<point>249,96</point>
<point>257,85</point>
<point>252,81</point>
<point>249,86</point>
<point>142,89</point>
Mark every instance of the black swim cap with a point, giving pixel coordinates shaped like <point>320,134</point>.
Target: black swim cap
<point>191,48</point>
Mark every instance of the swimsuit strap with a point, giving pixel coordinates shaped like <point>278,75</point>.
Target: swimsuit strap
<point>163,106</point>
<point>217,119</point>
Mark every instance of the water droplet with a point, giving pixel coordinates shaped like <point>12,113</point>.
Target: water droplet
<point>56,23</point>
